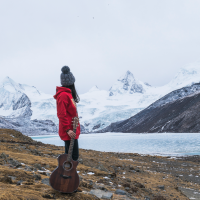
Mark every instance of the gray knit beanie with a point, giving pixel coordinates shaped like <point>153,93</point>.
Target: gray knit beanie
<point>66,77</point>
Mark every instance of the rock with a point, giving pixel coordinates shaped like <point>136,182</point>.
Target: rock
<point>37,177</point>
<point>80,160</point>
<point>107,196</point>
<point>162,198</point>
<point>127,188</point>
<point>101,181</point>
<point>131,167</point>
<point>13,162</point>
<point>29,182</point>
<point>120,192</point>
<point>47,166</point>
<point>12,177</point>
<point>4,156</point>
<point>128,180</point>
<point>101,194</point>
<point>113,175</point>
<point>19,182</point>
<point>28,168</point>
<point>162,187</point>
<point>102,168</point>
<point>126,185</point>
<point>48,196</point>
<point>42,172</point>
<point>101,187</point>
<point>6,179</point>
<point>139,185</point>
<point>45,181</point>
<point>37,166</point>
<point>190,193</point>
<point>80,177</point>
<point>87,185</point>
<point>134,189</point>
<point>137,170</point>
<point>122,197</point>
<point>48,174</point>
<point>145,190</point>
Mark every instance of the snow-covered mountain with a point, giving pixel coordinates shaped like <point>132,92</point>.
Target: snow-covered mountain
<point>187,76</point>
<point>15,98</point>
<point>128,84</point>
<point>176,112</point>
<point>26,109</point>
<point>97,108</point>
<point>13,101</point>
<point>128,96</point>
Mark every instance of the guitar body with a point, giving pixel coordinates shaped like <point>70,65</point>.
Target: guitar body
<point>65,178</point>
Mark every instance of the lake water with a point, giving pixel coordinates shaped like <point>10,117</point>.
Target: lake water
<point>173,144</point>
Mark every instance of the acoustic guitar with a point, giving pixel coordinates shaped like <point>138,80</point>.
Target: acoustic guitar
<point>65,178</point>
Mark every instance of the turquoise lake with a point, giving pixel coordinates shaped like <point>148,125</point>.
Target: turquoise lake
<point>165,144</point>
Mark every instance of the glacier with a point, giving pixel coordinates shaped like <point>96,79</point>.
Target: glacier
<point>97,108</point>
<point>128,96</point>
<point>20,106</point>
<point>42,105</point>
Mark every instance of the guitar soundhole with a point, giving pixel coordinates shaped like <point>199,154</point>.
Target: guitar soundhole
<point>67,165</point>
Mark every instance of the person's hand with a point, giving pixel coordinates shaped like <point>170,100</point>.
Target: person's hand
<point>71,134</point>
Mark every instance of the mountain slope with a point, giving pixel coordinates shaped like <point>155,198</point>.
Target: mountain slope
<point>17,98</point>
<point>186,76</point>
<point>16,109</point>
<point>179,111</point>
<point>97,108</point>
<point>128,96</point>
<point>29,127</point>
<point>128,84</point>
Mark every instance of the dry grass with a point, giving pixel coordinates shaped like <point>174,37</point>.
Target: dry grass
<point>142,182</point>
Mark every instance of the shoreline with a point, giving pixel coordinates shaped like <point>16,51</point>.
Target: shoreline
<point>26,165</point>
<point>41,135</point>
<point>171,154</point>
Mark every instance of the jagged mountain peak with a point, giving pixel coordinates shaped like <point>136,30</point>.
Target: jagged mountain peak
<point>190,69</point>
<point>6,80</point>
<point>126,84</point>
<point>10,85</point>
<point>21,100</point>
<point>187,75</point>
<point>94,88</point>
<point>128,76</point>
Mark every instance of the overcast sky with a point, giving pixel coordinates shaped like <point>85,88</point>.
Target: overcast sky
<point>99,40</point>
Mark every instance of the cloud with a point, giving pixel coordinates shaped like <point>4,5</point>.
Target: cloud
<point>98,40</point>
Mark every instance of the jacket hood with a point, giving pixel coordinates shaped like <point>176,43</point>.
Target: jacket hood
<point>60,90</point>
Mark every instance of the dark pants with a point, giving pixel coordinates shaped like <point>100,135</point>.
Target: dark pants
<point>75,153</point>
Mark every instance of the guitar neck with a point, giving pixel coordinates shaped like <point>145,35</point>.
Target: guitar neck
<point>71,146</point>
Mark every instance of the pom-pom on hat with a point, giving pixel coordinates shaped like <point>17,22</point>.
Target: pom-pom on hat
<point>66,77</point>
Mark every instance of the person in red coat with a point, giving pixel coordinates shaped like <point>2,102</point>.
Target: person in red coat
<point>66,99</point>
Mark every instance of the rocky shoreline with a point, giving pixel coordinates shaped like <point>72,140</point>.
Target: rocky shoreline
<point>25,167</point>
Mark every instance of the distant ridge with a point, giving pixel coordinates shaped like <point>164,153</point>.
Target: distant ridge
<point>127,84</point>
<point>177,112</point>
<point>97,108</point>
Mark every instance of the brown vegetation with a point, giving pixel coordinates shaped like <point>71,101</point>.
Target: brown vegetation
<point>25,167</point>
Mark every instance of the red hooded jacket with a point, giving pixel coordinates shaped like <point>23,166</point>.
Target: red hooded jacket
<point>66,110</point>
